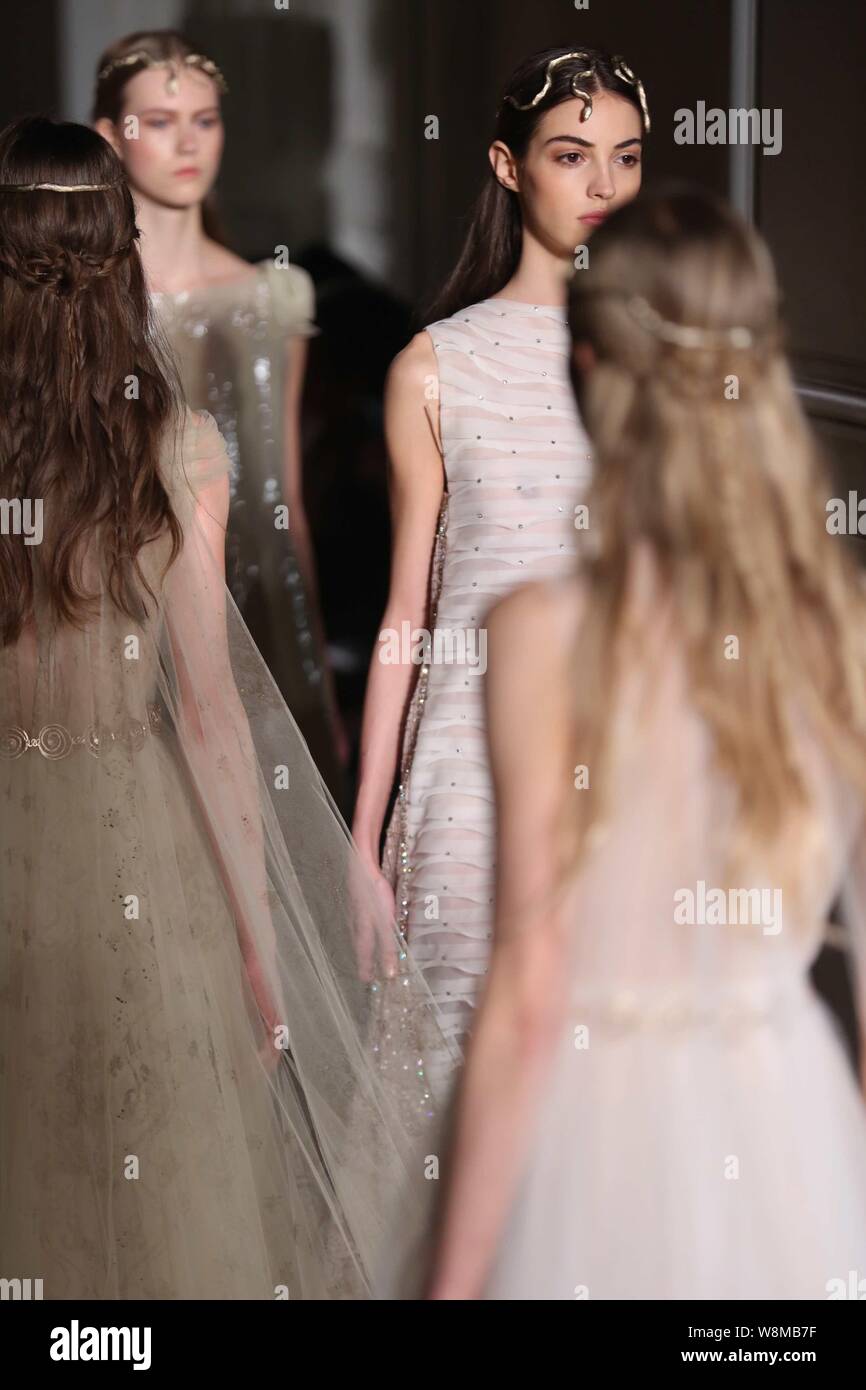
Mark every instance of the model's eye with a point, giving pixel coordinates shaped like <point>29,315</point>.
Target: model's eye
<point>629,160</point>
<point>571,157</point>
<point>207,121</point>
<point>155,124</point>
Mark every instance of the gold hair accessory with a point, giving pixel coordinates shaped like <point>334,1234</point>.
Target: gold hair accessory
<point>192,60</point>
<point>682,334</point>
<point>625,74</point>
<point>59,187</point>
<point>548,83</point>
<point>621,70</point>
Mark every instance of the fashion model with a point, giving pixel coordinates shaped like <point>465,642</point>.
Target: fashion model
<point>657,1103</point>
<point>238,332</point>
<point>488,464</point>
<point>212,1043</point>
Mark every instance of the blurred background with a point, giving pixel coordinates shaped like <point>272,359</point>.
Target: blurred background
<point>328,152</point>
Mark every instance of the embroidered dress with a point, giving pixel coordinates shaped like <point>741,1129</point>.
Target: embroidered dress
<point>201,1094</point>
<point>231,340</point>
<point>516,461</point>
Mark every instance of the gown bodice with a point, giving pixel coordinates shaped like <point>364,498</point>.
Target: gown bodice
<point>515,454</point>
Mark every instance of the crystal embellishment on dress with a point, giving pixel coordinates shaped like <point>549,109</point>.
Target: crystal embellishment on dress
<point>503,395</point>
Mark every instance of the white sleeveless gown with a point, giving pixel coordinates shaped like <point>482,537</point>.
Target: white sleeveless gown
<point>516,461</point>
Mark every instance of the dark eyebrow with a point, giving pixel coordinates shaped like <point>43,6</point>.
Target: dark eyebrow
<point>171,111</point>
<point>588,145</point>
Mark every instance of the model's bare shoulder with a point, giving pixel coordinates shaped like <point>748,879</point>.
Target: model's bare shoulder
<point>540,619</point>
<point>224,266</point>
<point>414,369</point>
<point>412,396</point>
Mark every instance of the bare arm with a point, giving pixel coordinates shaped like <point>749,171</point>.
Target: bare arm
<point>215,737</point>
<point>521,1010</point>
<point>416,483</point>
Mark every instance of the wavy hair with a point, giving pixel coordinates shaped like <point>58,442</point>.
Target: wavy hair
<point>86,392</point>
<point>703,454</point>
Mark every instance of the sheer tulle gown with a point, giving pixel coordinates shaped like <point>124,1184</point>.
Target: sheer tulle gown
<point>701,1133</point>
<point>516,461</point>
<point>175,887</point>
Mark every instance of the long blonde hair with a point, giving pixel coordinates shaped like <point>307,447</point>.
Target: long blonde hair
<point>703,455</point>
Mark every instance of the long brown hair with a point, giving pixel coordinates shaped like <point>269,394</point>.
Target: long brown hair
<point>703,455</point>
<point>494,238</point>
<point>85,393</point>
<point>108,96</point>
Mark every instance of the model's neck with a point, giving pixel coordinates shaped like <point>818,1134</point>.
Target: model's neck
<point>173,245</point>
<point>541,277</point>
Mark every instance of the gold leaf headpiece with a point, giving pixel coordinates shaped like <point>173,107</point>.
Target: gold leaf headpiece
<point>621,70</point>
<point>192,60</point>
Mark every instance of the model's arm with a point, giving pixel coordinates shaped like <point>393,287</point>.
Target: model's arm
<point>216,740</point>
<point>416,483</point>
<point>522,1007</point>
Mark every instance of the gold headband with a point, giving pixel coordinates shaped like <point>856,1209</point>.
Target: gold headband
<point>192,60</point>
<point>58,187</point>
<point>620,68</point>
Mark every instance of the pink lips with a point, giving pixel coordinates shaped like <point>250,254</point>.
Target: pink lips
<point>188,171</point>
<point>596,218</point>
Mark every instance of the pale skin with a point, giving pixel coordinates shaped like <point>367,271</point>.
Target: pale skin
<point>199,636</point>
<point>524,1004</point>
<point>171,145</point>
<point>532,635</point>
<point>572,170</point>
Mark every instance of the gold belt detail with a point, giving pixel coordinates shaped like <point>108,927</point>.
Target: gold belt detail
<point>57,741</point>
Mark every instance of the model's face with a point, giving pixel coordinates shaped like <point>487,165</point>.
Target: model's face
<point>575,173</point>
<point>174,158</point>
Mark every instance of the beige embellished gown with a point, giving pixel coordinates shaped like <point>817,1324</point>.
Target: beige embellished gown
<point>200,1095</point>
<point>231,341</point>
<point>517,461</point>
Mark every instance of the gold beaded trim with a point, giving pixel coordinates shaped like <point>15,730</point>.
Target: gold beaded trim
<point>56,741</point>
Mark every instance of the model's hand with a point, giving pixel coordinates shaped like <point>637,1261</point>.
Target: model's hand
<point>373,921</point>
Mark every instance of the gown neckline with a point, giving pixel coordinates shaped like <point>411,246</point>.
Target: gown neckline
<point>524,304</point>
<point>214,287</point>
